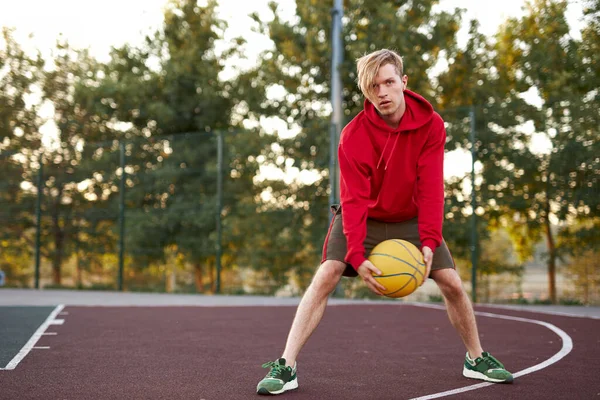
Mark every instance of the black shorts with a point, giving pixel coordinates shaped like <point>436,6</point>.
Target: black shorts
<point>335,247</point>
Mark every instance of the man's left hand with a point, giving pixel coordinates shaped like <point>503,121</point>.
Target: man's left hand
<point>428,258</point>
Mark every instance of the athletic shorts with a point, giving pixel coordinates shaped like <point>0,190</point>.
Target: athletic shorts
<point>334,247</point>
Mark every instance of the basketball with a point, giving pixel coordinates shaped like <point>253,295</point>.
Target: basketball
<point>401,265</point>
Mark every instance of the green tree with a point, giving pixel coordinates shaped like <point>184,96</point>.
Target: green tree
<point>172,104</point>
<point>475,94</point>
<point>19,139</point>
<point>562,185</point>
<point>78,177</point>
<point>516,188</point>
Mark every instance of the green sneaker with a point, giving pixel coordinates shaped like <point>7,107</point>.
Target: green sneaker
<point>486,368</point>
<point>279,379</point>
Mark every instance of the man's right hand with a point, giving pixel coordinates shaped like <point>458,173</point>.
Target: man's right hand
<point>365,271</point>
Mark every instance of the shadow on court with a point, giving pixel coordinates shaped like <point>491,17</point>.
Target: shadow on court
<point>358,352</point>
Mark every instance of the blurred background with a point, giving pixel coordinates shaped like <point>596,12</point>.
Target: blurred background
<point>184,146</point>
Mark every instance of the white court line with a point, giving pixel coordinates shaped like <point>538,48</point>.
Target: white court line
<point>539,311</point>
<point>33,340</point>
<point>566,349</point>
<point>49,333</point>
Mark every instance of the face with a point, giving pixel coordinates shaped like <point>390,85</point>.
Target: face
<point>388,93</point>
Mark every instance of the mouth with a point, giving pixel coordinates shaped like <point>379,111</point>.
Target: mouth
<point>385,103</point>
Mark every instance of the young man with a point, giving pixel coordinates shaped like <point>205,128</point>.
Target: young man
<point>391,166</point>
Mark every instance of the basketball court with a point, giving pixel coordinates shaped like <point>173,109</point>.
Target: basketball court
<point>153,346</point>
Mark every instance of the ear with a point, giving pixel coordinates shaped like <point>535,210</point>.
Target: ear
<point>404,82</point>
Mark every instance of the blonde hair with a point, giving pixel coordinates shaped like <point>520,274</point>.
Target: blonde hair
<point>368,66</point>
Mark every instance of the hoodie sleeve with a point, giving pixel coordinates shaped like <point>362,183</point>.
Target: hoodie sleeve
<point>430,186</point>
<point>354,196</point>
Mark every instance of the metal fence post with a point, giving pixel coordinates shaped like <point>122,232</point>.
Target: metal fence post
<point>38,217</point>
<point>336,98</point>
<point>473,207</point>
<point>337,55</point>
<point>121,214</point>
<point>219,246</point>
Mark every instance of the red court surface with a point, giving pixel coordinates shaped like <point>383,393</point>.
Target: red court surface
<point>371,351</point>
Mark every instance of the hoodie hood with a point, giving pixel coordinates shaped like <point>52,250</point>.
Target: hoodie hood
<point>418,113</point>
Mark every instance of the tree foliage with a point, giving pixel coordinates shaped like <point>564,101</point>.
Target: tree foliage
<point>19,140</point>
<point>167,102</point>
<point>559,186</point>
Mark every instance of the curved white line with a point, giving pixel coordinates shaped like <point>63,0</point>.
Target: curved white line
<point>541,311</point>
<point>566,349</point>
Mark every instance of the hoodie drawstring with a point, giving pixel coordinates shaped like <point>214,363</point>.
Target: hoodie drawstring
<point>384,147</point>
<point>383,151</point>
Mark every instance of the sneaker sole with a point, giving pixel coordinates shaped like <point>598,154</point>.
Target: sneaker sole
<point>291,385</point>
<point>467,373</point>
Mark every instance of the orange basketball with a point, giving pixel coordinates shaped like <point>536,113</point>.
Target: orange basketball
<point>401,265</point>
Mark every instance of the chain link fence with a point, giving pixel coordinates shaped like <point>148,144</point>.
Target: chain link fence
<point>147,214</point>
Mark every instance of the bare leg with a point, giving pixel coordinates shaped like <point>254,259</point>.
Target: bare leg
<point>311,308</point>
<point>460,310</point>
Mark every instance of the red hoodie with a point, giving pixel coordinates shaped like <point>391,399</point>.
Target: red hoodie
<point>392,175</point>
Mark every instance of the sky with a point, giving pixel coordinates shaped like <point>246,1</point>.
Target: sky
<point>99,25</point>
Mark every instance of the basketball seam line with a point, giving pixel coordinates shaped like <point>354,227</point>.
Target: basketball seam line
<point>399,259</point>
<point>409,252</point>
<point>412,277</point>
<point>392,275</point>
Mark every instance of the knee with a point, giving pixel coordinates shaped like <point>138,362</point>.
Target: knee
<point>451,286</point>
<point>327,277</point>
<point>453,291</point>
